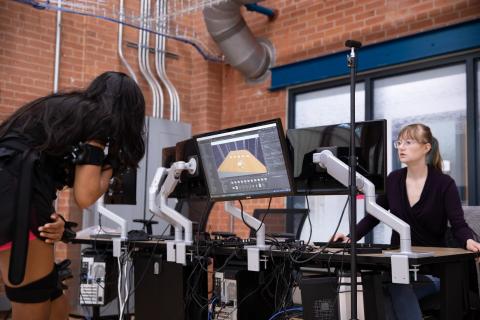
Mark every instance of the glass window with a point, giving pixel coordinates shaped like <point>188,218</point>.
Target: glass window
<point>478,110</point>
<point>436,98</point>
<point>318,108</point>
<point>328,106</point>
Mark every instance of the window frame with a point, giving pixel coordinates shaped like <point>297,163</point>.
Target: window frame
<point>471,60</point>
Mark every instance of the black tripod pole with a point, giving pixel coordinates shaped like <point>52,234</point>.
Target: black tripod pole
<point>352,64</point>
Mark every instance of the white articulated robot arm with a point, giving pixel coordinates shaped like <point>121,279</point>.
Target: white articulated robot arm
<point>101,209</point>
<point>253,252</point>
<point>153,193</point>
<point>340,171</point>
<point>162,186</point>
<point>252,222</point>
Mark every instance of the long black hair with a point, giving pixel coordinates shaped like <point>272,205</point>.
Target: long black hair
<point>110,110</point>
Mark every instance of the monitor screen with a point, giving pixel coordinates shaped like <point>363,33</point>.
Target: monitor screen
<point>371,153</point>
<point>245,162</point>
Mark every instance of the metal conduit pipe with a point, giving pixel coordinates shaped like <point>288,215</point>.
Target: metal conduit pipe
<point>56,67</point>
<point>147,64</point>
<point>141,56</point>
<point>241,49</point>
<point>158,88</point>
<point>176,98</point>
<point>161,10</point>
<point>158,50</point>
<point>58,32</point>
<point>175,106</point>
<point>120,40</point>
<point>143,59</point>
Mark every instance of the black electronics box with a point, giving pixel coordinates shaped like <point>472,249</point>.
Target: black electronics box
<point>319,297</point>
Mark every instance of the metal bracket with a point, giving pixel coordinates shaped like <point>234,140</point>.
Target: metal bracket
<point>181,253</point>
<point>171,254</point>
<point>253,259</point>
<point>190,254</point>
<point>415,269</point>
<point>152,50</point>
<point>264,259</point>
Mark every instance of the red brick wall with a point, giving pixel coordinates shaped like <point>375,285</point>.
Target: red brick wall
<point>306,29</point>
<point>23,75</point>
<point>213,95</point>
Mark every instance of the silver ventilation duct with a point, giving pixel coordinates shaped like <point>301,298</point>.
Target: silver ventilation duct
<point>241,49</point>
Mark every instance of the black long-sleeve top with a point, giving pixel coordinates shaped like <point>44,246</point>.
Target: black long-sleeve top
<point>438,203</point>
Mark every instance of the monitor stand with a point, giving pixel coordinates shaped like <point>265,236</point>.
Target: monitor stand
<point>253,252</point>
<point>163,184</point>
<point>399,260</point>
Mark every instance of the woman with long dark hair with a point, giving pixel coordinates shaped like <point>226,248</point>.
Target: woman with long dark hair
<point>77,139</point>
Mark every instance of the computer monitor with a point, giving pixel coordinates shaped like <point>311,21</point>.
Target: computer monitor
<point>189,186</point>
<point>282,222</point>
<point>122,188</point>
<point>197,210</point>
<point>245,162</point>
<point>370,150</point>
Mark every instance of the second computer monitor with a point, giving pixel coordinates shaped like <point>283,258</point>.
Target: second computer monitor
<point>370,151</point>
<point>245,162</point>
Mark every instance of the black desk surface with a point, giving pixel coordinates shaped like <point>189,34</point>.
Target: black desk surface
<point>450,263</point>
<point>440,255</point>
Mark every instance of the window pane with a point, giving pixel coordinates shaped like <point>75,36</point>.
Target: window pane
<point>478,107</point>
<point>319,108</point>
<point>436,98</point>
<point>328,106</point>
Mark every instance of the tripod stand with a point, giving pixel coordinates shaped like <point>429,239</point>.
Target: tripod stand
<point>352,64</point>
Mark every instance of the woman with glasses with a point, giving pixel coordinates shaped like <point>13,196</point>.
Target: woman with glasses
<point>425,198</point>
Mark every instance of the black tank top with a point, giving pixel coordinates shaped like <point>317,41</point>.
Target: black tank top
<point>51,173</point>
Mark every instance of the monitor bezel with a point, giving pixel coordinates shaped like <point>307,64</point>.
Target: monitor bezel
<point>286,158</point>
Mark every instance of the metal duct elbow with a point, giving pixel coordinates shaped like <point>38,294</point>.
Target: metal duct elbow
<point>241,49</point>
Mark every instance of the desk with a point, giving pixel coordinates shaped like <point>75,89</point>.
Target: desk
<point>162,290</point>
<point>448,263</point>
<point>451,265</point>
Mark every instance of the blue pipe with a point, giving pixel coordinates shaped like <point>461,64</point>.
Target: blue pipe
<point>270,13</point>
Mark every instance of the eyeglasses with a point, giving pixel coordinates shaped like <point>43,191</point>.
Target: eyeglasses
<point>407,143</point>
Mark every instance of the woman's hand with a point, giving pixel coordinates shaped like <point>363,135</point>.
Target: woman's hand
<point>473,245</point>
<point>53,231</point>
<point>340,237</point>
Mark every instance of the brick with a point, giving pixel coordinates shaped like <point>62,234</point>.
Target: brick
<point>445,18</point>
<point>377,5</point>
<point>421,25</point>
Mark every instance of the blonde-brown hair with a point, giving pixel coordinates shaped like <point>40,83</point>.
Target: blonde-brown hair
<point>422,134</point>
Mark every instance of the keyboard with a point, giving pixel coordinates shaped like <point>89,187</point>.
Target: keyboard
<point>161,237</point>
<point>105,235</point>
<point>361,248</point>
